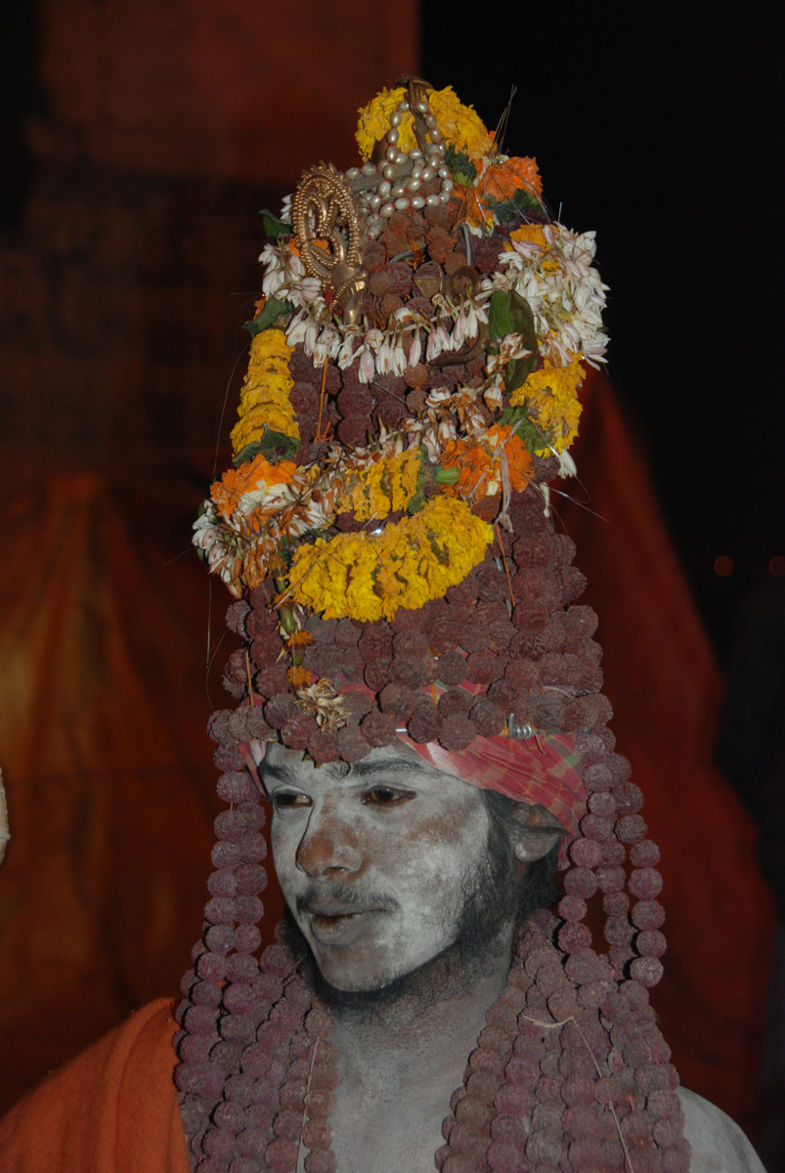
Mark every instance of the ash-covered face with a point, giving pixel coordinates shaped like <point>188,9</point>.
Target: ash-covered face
<point>377,864</point>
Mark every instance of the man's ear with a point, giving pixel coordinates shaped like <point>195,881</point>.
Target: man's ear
<point>533,832</point>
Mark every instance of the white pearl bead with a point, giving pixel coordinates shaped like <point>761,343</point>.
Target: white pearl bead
<point>395,118</point>
<point>428,174</point>
<point>436,135</point>
<point>384,189</point>
<point>443,172</point>
<point>398,189</point>
<point>353,173</point>
<point>418,202</point>
<point>369,168</point>
<point>391,154</point>
<point>386,209</point>
<point>374,202</point>
<point>388,171</point>
<point>433,200</point>
<point>392,136</point>
<point>414,184</point>
<point>402,203</point>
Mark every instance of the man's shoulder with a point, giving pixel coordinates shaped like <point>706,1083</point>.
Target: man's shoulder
<point>717,1143</point>
<point>91,1108</point>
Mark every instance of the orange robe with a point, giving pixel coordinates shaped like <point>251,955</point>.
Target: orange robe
<point>111,1110</point>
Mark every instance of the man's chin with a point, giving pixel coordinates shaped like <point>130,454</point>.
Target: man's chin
<point>454,968</point>
<point>343,989</point>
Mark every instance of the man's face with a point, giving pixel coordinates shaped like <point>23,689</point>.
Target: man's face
<point>376,866</point>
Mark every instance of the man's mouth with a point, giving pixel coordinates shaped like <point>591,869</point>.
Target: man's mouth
<point>324,920</point>
<point>334,920</point>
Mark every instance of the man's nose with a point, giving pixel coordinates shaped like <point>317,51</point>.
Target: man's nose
<point>328,845</point>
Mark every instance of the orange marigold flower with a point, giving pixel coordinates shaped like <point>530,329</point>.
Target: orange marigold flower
<point>520,466</point>
<point>474,465</point>
<point>479,463</point>
<point>299,677</point>
<point>497,183</point>
<point>299,639</point>
<point>251,475</point>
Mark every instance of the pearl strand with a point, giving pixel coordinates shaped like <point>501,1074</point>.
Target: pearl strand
<point>398,184</point>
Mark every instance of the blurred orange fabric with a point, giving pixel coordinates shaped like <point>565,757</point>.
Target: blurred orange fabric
<point>88,1116</point>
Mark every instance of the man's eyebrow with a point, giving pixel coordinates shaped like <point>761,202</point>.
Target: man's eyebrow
<point>383,766</point>
<point>279,773</point>
<point>285,774</point>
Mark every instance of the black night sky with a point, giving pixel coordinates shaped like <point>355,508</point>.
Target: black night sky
<point>663,132</point>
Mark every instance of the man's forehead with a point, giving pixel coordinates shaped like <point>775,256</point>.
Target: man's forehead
<point>394,761</point>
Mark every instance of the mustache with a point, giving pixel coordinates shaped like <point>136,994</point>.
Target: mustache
<point>339,898</point>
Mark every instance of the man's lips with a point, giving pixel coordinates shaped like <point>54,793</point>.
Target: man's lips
<point>336,920</point>
<point>331,908</point>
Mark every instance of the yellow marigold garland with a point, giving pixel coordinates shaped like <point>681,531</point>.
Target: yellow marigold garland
<point>369,576</point>
<point>387,486</point>
<point>460,125</point>
<point>264,398</point>
<point>551,399</point>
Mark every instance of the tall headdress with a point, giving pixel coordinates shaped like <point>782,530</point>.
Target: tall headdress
<point>386,528</point>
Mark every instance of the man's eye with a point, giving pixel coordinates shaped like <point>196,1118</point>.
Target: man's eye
<point>284,800</point>
<point>386,796</point>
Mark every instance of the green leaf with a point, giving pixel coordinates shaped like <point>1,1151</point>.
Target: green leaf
<point>417,501</point>
<point>518,371</point>
<point>273,310</point>
<point>445,476</point>
<point>272,225</point>
<point>517,420</point>
<point>519,204</point>
<point>509,313</point>
<point>461,166</point>
<point>274,446</point>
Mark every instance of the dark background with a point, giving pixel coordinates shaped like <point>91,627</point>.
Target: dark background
<point>662,129</point>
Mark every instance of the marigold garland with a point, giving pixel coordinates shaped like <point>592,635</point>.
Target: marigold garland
<point>530,234</point>
<point>253,476</point>
<point>386,486</point>
<point>264,398</point>
<point>460,125</point>
<point>410,562</point>
<point>500,180</point>
<point>480,463</point>
<point>551,399</point>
